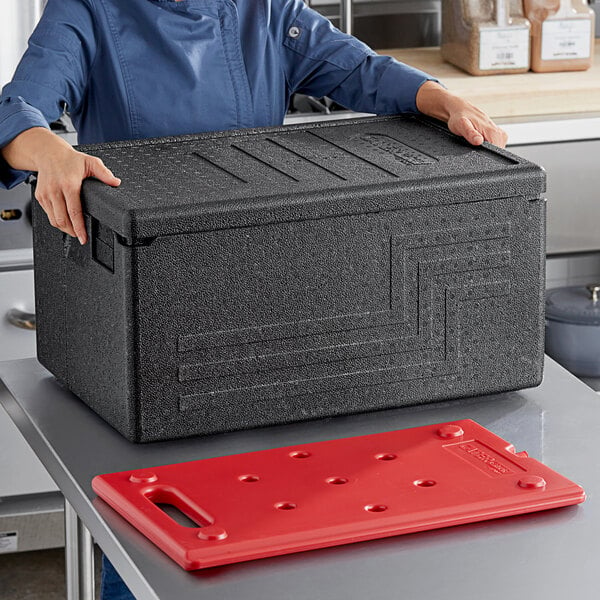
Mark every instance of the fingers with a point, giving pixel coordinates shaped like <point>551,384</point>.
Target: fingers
<point>476,132</point>
<point>470,132</point>
<point>62,220</point>
<point>97,169</point>
<point>473,123</point>
<point>463,118</point>
<point>72,196</point>
<point>46,205</point>
<point>63,208</point>
<point>59,189</point>
<point>53,204</point>
<point>496,136</point>
<point>488,130</point>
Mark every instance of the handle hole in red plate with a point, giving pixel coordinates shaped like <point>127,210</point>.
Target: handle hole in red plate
<point>178,516</point>
<point>180,509</point>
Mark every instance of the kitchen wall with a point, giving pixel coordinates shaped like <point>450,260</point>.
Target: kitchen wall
<point>573,270</point>
<point>17,19</point>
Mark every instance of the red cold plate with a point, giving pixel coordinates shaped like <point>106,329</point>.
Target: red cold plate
<point>272,502</point>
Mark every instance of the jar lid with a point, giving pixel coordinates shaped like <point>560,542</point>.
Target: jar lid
<point>577,304</point>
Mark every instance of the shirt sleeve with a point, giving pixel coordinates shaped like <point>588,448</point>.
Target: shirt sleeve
<point>50,77</point>
<point>321,61</point>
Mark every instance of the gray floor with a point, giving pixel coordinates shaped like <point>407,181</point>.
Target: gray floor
<point>37,575</point>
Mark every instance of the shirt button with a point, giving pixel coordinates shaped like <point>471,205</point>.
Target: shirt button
<point>294,32</point>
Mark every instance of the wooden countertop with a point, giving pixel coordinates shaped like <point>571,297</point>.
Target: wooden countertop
<point>527,94</point>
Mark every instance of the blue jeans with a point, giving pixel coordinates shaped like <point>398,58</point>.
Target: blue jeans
<point>112,587</point>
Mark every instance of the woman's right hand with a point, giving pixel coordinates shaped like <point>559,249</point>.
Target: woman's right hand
<point>61,170</point>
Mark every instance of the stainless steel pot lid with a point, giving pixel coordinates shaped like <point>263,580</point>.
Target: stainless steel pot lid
<point>578,304</point>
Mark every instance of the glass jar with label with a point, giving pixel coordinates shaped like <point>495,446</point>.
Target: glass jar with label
<point>485,37</point>
<point>562,34</point>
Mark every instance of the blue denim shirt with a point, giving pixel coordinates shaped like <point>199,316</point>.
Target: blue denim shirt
<point>129,69</point>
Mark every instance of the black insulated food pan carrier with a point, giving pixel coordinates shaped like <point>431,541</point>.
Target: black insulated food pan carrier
<point>265,276</point>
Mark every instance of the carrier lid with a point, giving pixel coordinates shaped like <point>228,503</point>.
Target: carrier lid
<point>296,172</point>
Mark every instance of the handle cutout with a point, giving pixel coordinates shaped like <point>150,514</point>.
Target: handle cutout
<point>178,508</point>
<point>178,516</point>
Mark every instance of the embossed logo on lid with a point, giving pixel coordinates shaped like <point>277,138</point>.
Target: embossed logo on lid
<point>400,151</point>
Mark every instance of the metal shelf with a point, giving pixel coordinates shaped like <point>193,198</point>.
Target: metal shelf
<point>347,10</point>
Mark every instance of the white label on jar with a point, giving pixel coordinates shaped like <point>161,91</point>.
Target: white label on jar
<point>566,39</point>
<point>504,48</point>
<point>9,541</point>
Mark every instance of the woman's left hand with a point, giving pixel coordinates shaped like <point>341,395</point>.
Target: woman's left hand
<point>462,117</point>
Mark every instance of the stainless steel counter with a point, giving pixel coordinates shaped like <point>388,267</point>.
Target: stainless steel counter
<point>548,555</point>
<point>593,382</point>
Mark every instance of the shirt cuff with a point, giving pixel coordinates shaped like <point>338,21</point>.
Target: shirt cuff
<point>16,116</point>
<point>398,87</point>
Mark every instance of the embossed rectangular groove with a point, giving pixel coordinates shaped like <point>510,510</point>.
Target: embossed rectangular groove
<point>285,372</point>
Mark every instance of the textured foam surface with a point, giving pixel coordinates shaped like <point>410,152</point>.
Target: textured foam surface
<point>265,276</point>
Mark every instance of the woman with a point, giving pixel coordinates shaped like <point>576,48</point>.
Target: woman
<point>146,68</point>
<point>128,69</point>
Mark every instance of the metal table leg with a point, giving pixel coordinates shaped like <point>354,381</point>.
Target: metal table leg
<point>79,556</point>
